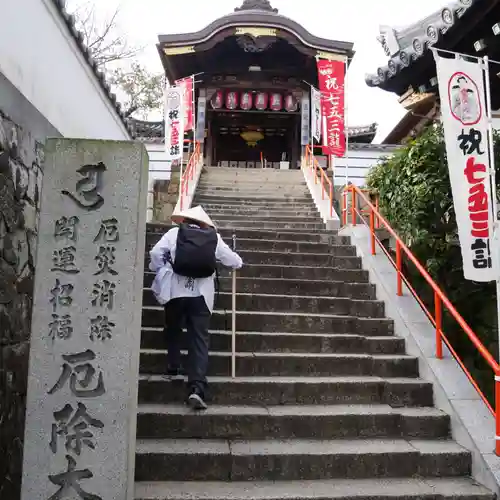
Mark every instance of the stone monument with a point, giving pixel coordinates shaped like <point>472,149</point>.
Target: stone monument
<point>84,355</point>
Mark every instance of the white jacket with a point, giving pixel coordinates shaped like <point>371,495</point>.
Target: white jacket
<point>167,285</point>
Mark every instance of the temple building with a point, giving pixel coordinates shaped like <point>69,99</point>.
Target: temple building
<point>469,27</point>
<point>253,71</point>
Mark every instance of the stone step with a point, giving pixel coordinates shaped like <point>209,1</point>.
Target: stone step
<point>396,392</point>
<point>271,364</point>
<point>303,272</point>
<point>339,489</point>
<point>318,288</point>
<point>326,238</point>
<point>291,322</point>
<point>260,213</point>
<point>219,217</point>
<point>322,236</point>
<point>266,225</point>
<point>285,246</point>
<point>177,421</point>
<point>154,338</point>
<point>270,204</point>
<point>221,460</point>
<point>277,199</point>
<point>237,188</point>
<point>283,303</point>
<point>298,273</point>
<point>297,259</point>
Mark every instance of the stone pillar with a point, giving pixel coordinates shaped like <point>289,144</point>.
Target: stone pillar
<point>84,355</point>
<point>166,194</point>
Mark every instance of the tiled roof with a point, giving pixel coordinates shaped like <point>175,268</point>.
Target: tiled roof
<point>69,20</point>
<point>406,46</point>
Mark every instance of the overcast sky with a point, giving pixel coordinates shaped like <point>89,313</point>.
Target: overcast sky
<point>356,21</point>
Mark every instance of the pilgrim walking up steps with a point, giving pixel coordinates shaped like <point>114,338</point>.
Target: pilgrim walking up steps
<point>325,404</point>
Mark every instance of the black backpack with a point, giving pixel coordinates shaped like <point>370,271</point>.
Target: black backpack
<point>195,252</point>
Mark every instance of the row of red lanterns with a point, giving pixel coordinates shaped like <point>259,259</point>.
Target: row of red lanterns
<point>246,100</point>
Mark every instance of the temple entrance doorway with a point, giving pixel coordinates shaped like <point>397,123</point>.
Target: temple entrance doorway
<point>245,139</point>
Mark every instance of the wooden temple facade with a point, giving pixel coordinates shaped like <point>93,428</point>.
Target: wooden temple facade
<point>469,27</point>
<point>253,70</point>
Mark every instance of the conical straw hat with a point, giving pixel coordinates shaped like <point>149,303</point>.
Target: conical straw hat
<point>196,214</point>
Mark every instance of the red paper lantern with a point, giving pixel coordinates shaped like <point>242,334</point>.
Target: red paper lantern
<point>291,103</point>
<point>246,100</point>
<point>217,100</point>
<point>276,102</point>
<point>232,100</point>
<point>261,101</point>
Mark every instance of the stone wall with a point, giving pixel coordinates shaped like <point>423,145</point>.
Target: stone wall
<point>20,184</point>
<point>166,194</point>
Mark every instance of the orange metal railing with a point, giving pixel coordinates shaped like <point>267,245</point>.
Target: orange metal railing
<point>375,220</point>
<point>189,173</point>
<point>326,184</point>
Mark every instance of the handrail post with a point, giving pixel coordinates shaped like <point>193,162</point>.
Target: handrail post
<point>497,413</point>
<point>377,207</point>
<point>372,230</point>
<point>344,207</point>
<point>315,172</point>
<point>438,313</point>
<point>322,185</point>
<point>353,206</point>
<point>399,268</point>
<point>331,200</point>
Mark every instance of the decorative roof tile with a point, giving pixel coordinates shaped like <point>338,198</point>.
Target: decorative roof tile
<point>69,20</point>
<point>407,45</point>
<point>256,5</point>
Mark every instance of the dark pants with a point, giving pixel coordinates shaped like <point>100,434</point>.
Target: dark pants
<point>193,313</point>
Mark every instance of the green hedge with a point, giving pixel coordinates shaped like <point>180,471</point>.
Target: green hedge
<point>415,196</point>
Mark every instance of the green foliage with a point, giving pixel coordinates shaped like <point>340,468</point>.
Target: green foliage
<point>415,196</point>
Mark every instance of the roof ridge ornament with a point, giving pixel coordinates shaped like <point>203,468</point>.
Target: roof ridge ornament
<point>256,5</point>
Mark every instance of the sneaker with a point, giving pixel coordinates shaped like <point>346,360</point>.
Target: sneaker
<point>175,375</point>
<point>196,401</point>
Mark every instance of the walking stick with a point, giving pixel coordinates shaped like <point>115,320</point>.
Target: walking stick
<point>233,322</point>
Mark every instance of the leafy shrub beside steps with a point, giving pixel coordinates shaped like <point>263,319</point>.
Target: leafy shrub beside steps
<point>414,191</point>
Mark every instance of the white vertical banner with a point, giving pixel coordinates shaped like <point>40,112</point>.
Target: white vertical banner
<point>174,123</point>
<point>466,129</point>
<point>316,120</point>
<point>305,125</point>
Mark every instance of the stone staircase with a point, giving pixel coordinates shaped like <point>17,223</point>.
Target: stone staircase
<point>325,405</point>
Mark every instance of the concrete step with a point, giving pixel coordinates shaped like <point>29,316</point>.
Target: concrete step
<point>292,322</point>
<point>283,303</point>
<point>221,460</point>
<point>303,272</point>
<point>338,489</point>
<point>154,338</point>
<point>263,271</point>
<point>299,259</point>
<point>269,204</point>
<point>285,246</point>
<point>338,289</point>
<point>260,213</point>
<point>325,237</point>
<point>277,198</point>
<point>237,188</point>
<point>322,236</point>
<point>267,225</point>
<point>295,259</point>
<point>396,392</point>
<point>219,217</point>
<point>176,421</point>
<point>270,364</point>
